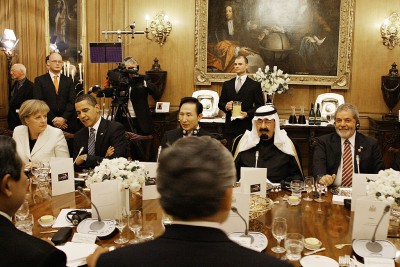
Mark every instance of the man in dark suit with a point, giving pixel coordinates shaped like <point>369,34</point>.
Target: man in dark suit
<point>108,136</point>
<point>16,247</point>
<point>198,203</point>
<point>22,90</point>
<point>58,92</point>
<point>364,151</point>
<point>242,89</point>
<point>190,114</point>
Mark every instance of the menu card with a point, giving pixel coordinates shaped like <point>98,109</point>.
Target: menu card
<point>62,176</point>
<point>149,188</point>
<point>241,201</point>
<point>359,188</point>
<point>253,181</point>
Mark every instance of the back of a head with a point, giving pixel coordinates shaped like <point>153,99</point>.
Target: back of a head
<point>10,163</point>
<point>192,177</point>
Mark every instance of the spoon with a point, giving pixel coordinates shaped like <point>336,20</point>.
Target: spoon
<point>340,246</point>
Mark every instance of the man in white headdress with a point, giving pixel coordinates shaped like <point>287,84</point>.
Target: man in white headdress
<point>270,146</point>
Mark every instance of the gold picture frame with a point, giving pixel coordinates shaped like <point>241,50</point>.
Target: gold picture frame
<point>343,32</point>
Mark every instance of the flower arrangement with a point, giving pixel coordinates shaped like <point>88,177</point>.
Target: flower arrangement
<point>386,186</point>
<point>272,81</point>
<point>131,173</point>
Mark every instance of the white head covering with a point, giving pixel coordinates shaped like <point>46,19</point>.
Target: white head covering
<point>250,138</point>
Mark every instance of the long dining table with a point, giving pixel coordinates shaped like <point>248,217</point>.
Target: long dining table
<point>331,223</point>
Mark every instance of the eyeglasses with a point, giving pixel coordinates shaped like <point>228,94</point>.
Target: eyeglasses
<point>57,61</point>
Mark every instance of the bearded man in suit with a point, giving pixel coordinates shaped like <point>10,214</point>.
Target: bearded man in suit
<point>199,203</point>
<point>330,158</point>
<point>242,89</point>
<point>58,91</point>
<point>22,90</point>
<point>99,138</point>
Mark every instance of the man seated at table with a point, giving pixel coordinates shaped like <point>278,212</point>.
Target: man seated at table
<point>335,154</point>
<point>16,247</point>
<point>199,203</point>
<point>190,114</point>
<point>276,151</point>
<point>99,138</point>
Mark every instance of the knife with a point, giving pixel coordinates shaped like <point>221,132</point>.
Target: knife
<point>313,252</point>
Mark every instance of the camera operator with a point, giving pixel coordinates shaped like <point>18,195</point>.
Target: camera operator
<point>137,101</point>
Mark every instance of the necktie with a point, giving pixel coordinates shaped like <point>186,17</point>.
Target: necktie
<point>347,170</point>
<point>91,142</point>
<point>238,84</point>
<point>16,87</point>
<point>56,82</point>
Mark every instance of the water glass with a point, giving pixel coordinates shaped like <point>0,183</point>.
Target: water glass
<point>294,245</point>
<point>147,233</point>
<point>135,224</point>
<point>296,186</point>
<point>321,187</point>
<point>121,220</point>
<point>279,231</point>
<point>308,186</point>
<point>22,211</point>
<point>25,224</point>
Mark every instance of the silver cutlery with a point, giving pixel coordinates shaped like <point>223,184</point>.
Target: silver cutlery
<point>314,251</point>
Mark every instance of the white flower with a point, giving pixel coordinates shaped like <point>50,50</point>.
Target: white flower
<point>386,186</point>
<point>131,174</point>
<point>272,81</point>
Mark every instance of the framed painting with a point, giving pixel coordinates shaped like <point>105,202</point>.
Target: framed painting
<point>309,39</point>
<point>65,32</point>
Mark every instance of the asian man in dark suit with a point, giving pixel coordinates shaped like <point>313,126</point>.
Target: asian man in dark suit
<point>58,91</point>
<point>330,150</point>
<point>22,90</point>
<point>199,203</point>
<point>242,89</point>
<point>16,247</point>
<point>190,114</point>
<point>99,138</point>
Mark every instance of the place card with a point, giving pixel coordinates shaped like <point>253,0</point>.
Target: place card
<point>107,198</point>
<point>62,176</point>
<point>367,214</point>
<point>241,201</point>
<point>149,189</point>
<point>253,181</point>
<point>359,187</point>
<point>84,238</point>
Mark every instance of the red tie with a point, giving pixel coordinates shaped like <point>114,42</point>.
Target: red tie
<point>347,170</point>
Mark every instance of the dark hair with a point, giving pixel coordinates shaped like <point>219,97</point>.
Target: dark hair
<point>89,98</point>
<point>245,59</point>
<point>189,99</point>
<point>192,177</point>
<point>10,162</point>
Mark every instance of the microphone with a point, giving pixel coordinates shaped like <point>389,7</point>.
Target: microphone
<point>159,152</point>
<point>246,230</point>
<point>80,151</point>
<point>99,224</point>
<point>374,246</point>
<point>358,163</point>
<point>257,154</point>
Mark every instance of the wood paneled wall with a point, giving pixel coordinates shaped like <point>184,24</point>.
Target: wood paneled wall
<point>370,58</point>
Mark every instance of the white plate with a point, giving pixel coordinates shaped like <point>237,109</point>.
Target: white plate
<point>317,260</point>
<point>260,241</point>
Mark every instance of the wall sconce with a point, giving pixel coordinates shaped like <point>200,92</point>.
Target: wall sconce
<point>390,30</point>
<point>159,28</point>
<point>8,42</point>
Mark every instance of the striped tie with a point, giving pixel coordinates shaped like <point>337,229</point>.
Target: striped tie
<point>347,170</point>
<point>92,141</point>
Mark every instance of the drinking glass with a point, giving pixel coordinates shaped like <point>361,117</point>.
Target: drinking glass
<point>321,187</point>
<point>121,220</point>
<point>294,244</point>
<point>135,224</point>
<point>23,210</point>
<point>147,233</point>
<point>309,186</point>
<point>45,169</point>
<point>236,108</point>
<point>296,186</point>
<point>279,231</point>
<point>36,170</point>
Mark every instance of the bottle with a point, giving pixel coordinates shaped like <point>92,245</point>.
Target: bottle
<point>311,115</point>
<point>292,118</point>
<point>318,116</point>
<point>302,118</point>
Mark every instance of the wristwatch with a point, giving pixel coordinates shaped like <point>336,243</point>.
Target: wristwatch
<point>84,157</point>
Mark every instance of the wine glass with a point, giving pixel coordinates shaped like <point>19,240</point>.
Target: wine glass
<point>36,170</point>
<point>45,169</point>
<point>279,231</point>
<point>23,211</point>
<point>309,186</point>
<point>147,232</point>
<point>321,187</point>
<point>121,220</point>
<point>135,224</point>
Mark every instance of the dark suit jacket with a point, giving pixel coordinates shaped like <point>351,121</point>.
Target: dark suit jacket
<point>25,92</point>
<point>396,162</point>
<point>250,95</point>
<point>110,133</point>
<point>20,249</point>
<point>171,136</point>
<point>328,154</point>
<point>183,245</point>
<point>61,104</point>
